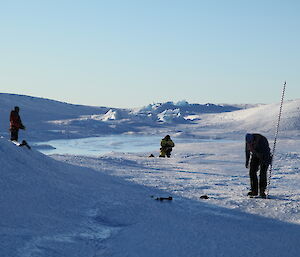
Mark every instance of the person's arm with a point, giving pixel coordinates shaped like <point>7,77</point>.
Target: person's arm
<point>21,126</point>
<point>247,152</point>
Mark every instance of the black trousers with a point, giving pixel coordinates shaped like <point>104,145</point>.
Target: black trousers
<point>256,164</point>
<point>14,134</point>
<point>168,152</point>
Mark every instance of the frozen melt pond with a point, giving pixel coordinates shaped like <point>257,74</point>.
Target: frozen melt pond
<point>110,143</point>
<point>101,145</point>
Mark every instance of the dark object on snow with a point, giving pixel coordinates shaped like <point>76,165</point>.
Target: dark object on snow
<point>257,147</point>
<point>204,197</point>
<point>151,155</point>
<point>15,124</point>
<point>170,198</point>
<point>24,143</point>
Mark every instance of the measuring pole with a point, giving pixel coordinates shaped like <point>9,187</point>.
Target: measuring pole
<point>275,139</point>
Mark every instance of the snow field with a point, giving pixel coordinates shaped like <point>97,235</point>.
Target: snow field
<point>51,208</point>
<point>213,168</point>
<point>90,206</point>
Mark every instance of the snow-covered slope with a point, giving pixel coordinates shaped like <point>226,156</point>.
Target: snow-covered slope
<point>53,209</point>
<point>35,112</point>
<point>45,204</point>
<point>261,119</point>
<point>42,109</point>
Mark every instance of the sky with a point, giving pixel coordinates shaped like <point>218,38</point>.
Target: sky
<point>132,53</point>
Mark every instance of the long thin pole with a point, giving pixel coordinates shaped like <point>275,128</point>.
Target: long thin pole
<point>275,139</point>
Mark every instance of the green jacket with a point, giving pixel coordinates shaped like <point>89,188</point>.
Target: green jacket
<point>167,143</point>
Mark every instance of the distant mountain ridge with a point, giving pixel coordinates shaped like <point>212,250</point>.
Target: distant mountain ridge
<point>187,108</point>
<point>47,119</point>
<point>58,119</point>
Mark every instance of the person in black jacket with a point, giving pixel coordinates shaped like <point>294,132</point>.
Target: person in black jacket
<point>257,147</point>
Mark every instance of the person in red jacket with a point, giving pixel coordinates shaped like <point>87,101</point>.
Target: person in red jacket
<point>15,124</point>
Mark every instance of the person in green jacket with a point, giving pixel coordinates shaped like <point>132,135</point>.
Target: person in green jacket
<point>166,146</point>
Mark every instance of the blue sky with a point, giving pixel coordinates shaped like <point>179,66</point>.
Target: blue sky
<point>128,53</point>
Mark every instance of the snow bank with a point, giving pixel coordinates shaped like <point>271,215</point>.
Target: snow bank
<point>44,204</point>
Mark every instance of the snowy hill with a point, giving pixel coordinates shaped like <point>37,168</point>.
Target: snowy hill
<point>36,112</point>
<point>42,109</point>
<point>262,119</point>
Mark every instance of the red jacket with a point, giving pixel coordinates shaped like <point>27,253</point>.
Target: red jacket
<point>15,120</point>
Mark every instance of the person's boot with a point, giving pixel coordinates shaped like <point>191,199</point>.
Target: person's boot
<point>252,193</point>
<point>263,195</point>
